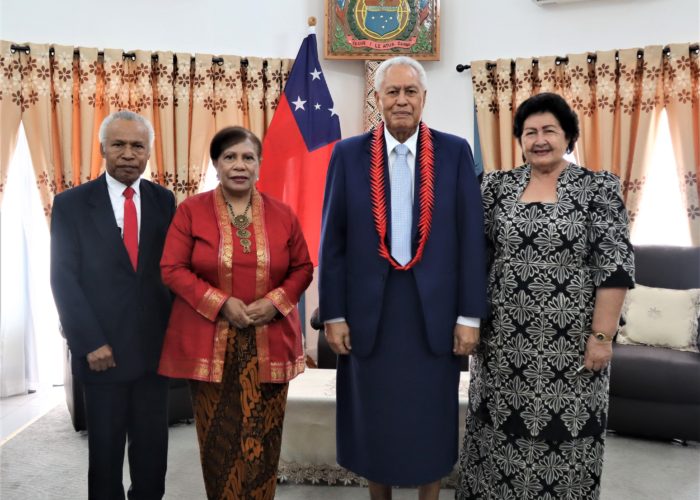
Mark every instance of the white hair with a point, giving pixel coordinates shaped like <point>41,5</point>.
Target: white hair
<point>400,60</point>
<point>128,116</point>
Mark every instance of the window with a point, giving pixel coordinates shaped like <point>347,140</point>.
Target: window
<point>661,219</point>
<point>210,181</point>
<point>31,351</point>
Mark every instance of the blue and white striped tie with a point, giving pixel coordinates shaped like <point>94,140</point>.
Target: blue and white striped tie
<point>401,206</point>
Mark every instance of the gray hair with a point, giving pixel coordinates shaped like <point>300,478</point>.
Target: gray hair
<point>400,60</point>
<point>128,116</point>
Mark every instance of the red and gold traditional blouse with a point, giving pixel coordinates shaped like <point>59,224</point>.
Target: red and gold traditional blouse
<point>204,264</point>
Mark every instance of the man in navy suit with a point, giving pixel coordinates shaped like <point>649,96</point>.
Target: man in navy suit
<point>107,237</point>
<point>402,287</point>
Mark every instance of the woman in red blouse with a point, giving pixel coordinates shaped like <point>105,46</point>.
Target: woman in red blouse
<point>237,262</point>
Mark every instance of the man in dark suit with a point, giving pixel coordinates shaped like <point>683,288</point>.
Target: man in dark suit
<point>107,237</point>
<point>402,275</point>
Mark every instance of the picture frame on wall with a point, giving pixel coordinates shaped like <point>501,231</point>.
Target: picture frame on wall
<point>380,29</point>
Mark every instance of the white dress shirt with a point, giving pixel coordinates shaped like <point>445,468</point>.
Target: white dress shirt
<point>116,196</point>
<point>412,144</point>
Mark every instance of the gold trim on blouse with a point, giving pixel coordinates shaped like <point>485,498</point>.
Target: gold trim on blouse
<point>279,298</point>
<point>225,281</point>
<point>210,304</point>
<point>262,275</point>
<point>198,369</point>
<point>285,371</point>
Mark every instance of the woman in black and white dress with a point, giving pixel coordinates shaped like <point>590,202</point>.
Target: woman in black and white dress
<point>560,265</point>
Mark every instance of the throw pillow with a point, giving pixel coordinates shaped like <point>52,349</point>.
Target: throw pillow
<point>661,317</point>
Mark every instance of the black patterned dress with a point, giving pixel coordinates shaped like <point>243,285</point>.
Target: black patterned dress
<point>535,427</point>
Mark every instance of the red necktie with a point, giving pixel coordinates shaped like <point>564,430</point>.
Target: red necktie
<point>131,227</point>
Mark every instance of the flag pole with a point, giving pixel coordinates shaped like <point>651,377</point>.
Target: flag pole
<point>298,146</point>
<point>311,21</point>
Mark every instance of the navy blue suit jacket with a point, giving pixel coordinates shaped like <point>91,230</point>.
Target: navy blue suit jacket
<point>99,297</point>
<point>451,277</point>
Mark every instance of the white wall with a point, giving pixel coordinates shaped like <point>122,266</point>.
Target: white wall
<point>471,30</point>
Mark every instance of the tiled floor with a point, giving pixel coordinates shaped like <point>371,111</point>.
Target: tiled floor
<point>16,412</point>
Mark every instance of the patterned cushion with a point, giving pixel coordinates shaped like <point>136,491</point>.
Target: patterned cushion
<point>661,317</point>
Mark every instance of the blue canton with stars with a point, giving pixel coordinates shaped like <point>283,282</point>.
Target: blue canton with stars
<point>310,100</point>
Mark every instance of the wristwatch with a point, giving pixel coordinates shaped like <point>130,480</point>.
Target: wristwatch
<point>601,337</point>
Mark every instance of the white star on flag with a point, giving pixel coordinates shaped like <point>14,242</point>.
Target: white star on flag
<point>315,75</point>
<point>299,104</point>
<point>317,106</point>
<point>333,113</point>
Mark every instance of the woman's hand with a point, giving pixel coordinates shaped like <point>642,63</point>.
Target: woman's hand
<point>261,312</point>
<point>606,316</point>
<point>466,338</point>
<point>598,354</point>
<point>234,310</point>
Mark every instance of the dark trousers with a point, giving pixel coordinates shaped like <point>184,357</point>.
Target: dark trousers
<point>137,411</point>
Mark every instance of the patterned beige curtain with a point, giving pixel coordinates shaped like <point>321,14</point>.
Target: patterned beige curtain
<point>11,107</point>
<point>61,97</point>
<point>618,96</point>
<point>682,94</point>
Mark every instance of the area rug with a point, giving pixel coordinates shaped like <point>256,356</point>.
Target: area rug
<point>48,460</point>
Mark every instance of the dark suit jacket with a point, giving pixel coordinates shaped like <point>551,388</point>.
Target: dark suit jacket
<point>99,297</point>
<point>451,277</point>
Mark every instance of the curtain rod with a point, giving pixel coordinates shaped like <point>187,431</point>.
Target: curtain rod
<point>127,55</point>
<point>560,60</point>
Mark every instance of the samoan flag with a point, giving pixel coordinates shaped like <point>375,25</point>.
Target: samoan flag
<point>299,143</point>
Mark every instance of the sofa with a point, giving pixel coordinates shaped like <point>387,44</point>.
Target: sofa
<point>326,358</point>
<point>655,391</point>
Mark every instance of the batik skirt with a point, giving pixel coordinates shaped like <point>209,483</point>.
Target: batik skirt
<point>239,425</point>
